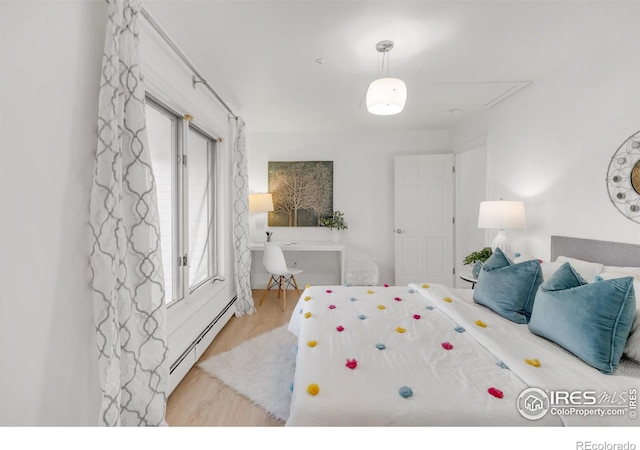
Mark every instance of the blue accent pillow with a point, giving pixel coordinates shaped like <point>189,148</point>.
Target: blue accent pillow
<point>497,260</point>
<point>565,277</point>
<point>590,320</point>
<point>507,288</point>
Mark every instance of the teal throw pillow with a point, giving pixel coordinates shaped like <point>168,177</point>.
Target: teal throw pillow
<point>590,320</point>
<point>507,288</point>
<point>565,277</point>
<point>497,260</point>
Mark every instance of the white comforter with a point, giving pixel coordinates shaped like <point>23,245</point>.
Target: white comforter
<point>458,373</point>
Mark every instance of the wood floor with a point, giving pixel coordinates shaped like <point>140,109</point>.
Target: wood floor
<point>201,400</point>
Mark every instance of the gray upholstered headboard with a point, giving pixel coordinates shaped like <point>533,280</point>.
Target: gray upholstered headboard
<point>604,252</point>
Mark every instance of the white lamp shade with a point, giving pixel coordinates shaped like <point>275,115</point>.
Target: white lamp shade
<point>386,96</point>
<point>260,202</point>
<point>502,215</point>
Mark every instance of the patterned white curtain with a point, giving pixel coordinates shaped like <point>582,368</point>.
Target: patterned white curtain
<point>125,261</point>
<point>242,252</point>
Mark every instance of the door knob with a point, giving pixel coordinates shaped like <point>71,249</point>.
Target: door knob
<point>399,231</point>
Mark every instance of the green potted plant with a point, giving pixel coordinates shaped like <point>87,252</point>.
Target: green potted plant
<point>477,259</point>
<point>335,222</point>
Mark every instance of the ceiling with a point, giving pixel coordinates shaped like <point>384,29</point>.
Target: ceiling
<point>306,65</point>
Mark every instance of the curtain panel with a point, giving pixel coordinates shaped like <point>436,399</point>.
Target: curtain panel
<point>125,257</point>
<point>242,252</point>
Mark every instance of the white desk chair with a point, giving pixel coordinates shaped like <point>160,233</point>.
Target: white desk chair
<point>281,275</point>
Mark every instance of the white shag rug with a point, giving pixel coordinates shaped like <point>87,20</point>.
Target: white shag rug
<point>261,369</point>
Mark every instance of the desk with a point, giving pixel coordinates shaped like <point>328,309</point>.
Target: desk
<point>309,246</point>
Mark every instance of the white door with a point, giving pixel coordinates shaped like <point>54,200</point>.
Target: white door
<point>424,222</point>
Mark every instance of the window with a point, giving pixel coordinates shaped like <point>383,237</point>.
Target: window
<point>201,208</point>
<point>183,158</point>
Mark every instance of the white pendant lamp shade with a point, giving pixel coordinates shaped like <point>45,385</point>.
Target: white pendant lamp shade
<point>386,96</point>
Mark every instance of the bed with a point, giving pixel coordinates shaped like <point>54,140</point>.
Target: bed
<point>429,355</point>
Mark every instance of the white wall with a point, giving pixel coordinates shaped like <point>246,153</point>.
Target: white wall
<point>471,184</point>
<point>51,56</point>
<point>550,145</point>
<point>363,181</point>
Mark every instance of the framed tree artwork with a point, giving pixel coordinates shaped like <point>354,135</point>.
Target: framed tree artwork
<point>302,192</point>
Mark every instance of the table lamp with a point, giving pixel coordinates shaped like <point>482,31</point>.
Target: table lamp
<point>260,204</point>
<point>502,215</point>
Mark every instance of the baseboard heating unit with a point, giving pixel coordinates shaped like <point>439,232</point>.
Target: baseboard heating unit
<point>190,355</point>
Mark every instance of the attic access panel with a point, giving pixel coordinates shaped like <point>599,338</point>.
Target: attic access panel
<point>464,94</point>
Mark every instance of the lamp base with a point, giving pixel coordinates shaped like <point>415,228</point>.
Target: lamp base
<point>259,231</point>
<point>502,242</point>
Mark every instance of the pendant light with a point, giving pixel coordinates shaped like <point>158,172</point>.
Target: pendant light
<point>386,96</point>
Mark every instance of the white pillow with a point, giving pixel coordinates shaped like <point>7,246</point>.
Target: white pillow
<point>636,281</point>
<point>548,268</point>
<point>627,271</point>
<point>588,270</point>
<point>632,349</point>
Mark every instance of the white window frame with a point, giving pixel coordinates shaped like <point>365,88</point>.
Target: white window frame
<point>180,204</point>
<point>213,244</point>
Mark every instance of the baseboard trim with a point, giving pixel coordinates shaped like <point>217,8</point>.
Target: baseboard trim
<point>201,336</point>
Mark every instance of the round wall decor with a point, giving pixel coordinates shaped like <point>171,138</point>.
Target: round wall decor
<point>623,178</point>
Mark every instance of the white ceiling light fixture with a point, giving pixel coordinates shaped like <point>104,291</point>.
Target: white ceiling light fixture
<point>386,96</point>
